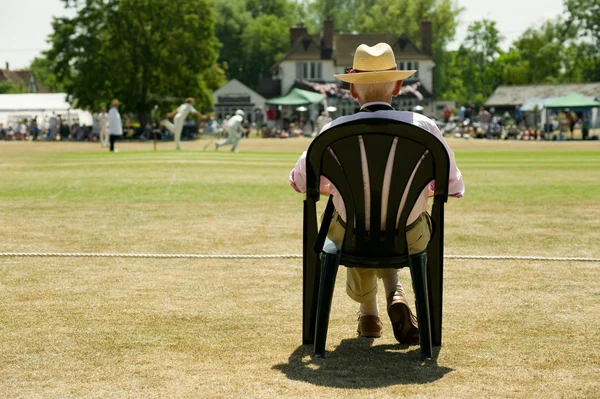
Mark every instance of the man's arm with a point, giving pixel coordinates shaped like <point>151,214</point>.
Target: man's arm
<point>456,186</point>
<point>298,178</point>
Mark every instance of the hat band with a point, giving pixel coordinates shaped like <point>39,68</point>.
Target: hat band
<point>352,70</point>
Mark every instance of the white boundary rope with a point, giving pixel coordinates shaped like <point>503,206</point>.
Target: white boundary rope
<point>277,256</point>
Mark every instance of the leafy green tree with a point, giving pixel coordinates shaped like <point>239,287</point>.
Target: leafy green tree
<point>253,34</point>
<point>342,12</point>
<point>263,41</point>
<point>143,52</point>
<point>282,9</point>
<point>585,17</point>
<point>231,20</point>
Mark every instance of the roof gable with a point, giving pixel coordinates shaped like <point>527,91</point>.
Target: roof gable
<point>305,48</point>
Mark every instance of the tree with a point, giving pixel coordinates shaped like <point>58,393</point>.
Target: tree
<point>263,41</point>
<point>341,11</point>
<point>253,33</point>
<point>585,17</point>
<point>140,51</point>
<point>231,20</point>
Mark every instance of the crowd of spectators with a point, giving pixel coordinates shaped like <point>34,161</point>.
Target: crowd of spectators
<point>466,122</point>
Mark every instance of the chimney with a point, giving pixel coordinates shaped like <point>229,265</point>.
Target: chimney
<point>7,65</point>
<point>297,32</point>
<point>328,33</point>
<point>426,37</point>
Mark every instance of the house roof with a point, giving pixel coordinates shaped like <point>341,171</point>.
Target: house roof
<point>345,45</point>
<point>22,78</point>
<point>305,48</point>
<point>513,95</point>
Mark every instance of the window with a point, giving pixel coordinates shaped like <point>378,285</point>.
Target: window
<point>409,65</point>
<point>309,70</point>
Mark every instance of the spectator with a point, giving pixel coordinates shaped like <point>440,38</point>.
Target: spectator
<point>115,127</point>
<point>461,113</point>
<point>52,126</point>
<point>271,118</point>
<point>447,113</point>
<point>103,127</point>
<point>585,129</point>
<point>518,116</point>
<point>34,129</point>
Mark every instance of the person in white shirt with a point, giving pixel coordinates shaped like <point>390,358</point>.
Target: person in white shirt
<point>180,114</point>
<point>115,128</point>
<point>322,120</point>
<point>52,126</point>
<point>103,127</point>
<point>374,81</point>
<point>233,126</point>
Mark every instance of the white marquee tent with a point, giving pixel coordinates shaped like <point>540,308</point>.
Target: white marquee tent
<point>15,107</point>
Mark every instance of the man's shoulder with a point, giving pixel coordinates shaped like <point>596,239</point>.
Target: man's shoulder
<point>412,118</point>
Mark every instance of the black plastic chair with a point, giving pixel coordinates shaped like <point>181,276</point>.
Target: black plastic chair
<point>335,154</point>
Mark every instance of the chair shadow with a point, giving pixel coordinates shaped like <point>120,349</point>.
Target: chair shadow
<point>357,363</point>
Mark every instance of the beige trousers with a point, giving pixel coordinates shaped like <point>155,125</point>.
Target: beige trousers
<point>361,283</point>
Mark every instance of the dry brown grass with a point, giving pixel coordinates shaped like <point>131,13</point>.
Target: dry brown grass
<point>221,328</point>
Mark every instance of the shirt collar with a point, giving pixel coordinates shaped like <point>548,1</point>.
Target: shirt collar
<point>376,103</point>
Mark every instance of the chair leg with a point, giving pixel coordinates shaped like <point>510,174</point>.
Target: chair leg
<point>435,272</point>
<point>329,267</point>
<point>418,271</point>
<point>311,277</point>
<point>310,273</point>
<point>435,290</point>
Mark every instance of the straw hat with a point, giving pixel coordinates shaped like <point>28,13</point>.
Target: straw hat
<point>115,103</point>
<point>375,64</point>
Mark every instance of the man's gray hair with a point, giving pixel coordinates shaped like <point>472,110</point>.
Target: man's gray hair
<point>374,91</point>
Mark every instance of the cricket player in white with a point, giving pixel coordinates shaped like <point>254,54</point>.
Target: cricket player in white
<point>181,114</point>
<point>103,126</point>
<point>234,127</point>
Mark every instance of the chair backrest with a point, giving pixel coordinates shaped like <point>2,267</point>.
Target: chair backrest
<point>420,157</point>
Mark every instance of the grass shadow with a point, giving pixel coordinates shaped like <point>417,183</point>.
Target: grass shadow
<point>357,363</point>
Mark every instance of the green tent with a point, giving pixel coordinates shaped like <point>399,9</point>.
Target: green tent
<point>297,97</point>
<point>573,100</point>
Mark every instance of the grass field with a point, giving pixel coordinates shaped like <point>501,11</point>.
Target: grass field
<point>119,327</point>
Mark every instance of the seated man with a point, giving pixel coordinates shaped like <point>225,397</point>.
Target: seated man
<point>374,81</point>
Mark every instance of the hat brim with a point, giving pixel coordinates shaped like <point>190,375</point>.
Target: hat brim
<point>375,77</point>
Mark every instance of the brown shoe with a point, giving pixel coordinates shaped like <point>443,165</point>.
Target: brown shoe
<point>369,326</point>
<point>404,322</point>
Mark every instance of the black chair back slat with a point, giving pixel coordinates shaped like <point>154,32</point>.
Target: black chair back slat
<point>423,175</point>
<point>377,150</point>
<point>408,154</point>
<point>334,172</point>
<point>347,152</point>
